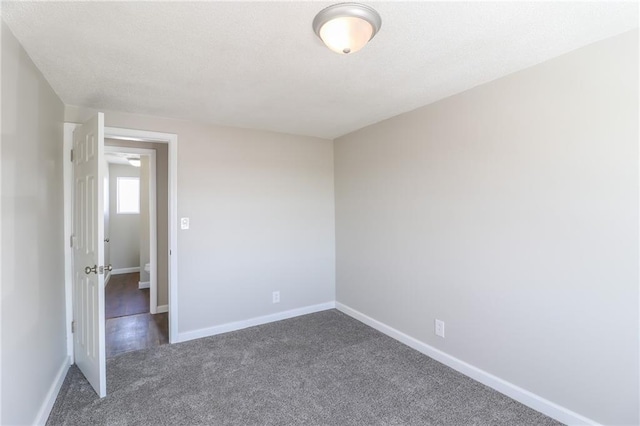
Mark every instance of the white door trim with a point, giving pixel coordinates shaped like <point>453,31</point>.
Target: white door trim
<point>124,135</point>
<point>67,171</point>
<point>153,220</point>
<point>172,140</point>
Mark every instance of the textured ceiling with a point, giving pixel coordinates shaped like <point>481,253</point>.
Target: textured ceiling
<point>119,158</point>
<point>259,65</point>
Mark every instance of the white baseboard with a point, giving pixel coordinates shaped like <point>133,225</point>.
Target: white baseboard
<point>50,399</point>
<point>143,284</point>
<point>162,309</point>
<point>125,270</point>
<point>239,325</point>
<point>107,278</point>
<point>523,396</point>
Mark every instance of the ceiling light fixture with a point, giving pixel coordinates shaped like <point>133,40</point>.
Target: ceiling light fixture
<point>346,27</point>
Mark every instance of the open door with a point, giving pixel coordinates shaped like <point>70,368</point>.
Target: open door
<point>88,253</point>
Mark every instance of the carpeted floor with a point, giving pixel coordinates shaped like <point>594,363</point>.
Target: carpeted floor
<point>318,369</point>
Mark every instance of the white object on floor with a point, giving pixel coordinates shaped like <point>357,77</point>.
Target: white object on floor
<point>145,284</point>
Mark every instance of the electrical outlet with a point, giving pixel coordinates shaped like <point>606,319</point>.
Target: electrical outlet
<point>440,328</point>
<point>276,297</point>
<point>184,223</point>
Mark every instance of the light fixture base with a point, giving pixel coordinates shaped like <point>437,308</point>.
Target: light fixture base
<point>346,20</point>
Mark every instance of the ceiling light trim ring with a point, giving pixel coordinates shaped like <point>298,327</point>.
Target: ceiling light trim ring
<point>354,10</point>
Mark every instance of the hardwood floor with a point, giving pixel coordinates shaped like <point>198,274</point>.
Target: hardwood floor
<point>129,325</point>
<point>135,332</point>
<point>123,296</point>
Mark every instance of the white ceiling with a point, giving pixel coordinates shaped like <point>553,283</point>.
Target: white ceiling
<point>120,158</point>
<point>259,65</point>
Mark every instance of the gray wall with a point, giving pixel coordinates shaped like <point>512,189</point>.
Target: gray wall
<point>162,209</point>
<point>33,301</point>
<point>509,211</point>
<point>107,216</point>
<point>124,229</point>
<point>145,243</point>
<point>261,206</point>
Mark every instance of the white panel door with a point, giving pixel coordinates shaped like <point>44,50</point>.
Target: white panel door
<point>88,253</point>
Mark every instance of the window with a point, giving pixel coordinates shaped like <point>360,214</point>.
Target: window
<point>128,195</point>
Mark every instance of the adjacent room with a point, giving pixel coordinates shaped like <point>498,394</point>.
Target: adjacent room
<point>420,213</point>
<point>134,318</point>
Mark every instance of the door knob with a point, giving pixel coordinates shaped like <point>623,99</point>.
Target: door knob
<point>88,269</point>
<point>108,268</point>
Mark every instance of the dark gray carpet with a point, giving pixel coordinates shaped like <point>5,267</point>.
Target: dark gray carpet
<point>318,369</point>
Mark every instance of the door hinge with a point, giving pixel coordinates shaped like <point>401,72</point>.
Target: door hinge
<point>73,326</point>
<point>71,156</point>
<point>71,240</point>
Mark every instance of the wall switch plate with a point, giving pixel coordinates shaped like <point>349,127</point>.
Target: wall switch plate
<point>184,223</point>
<point>440,328</point>
<point>276,297</point>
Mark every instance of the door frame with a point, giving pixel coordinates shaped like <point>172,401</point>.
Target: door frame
<point>124,135</point>
<point>153,220</point>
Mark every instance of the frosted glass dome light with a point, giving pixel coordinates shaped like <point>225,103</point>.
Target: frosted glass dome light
<point>346,27</point>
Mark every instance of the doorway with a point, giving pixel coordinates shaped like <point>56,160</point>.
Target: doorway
<point>135,247</point>
<point>91,319</point>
